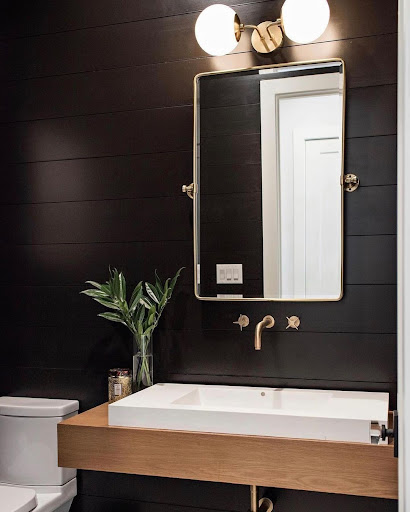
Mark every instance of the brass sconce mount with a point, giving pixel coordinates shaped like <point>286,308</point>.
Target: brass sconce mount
<point>267,36</point>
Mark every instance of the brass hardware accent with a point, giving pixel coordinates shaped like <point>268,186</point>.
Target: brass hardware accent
<point>243,321</point>
<point>254,498</point>
<point>265,505</point>
<point>196,176</point>
<point>267,36</point>
<point>293,322</point>
<point>189,190</point>
<point>239,27</point>
<point>265,39</point>
<point>350,182</point>
<point>266,323</point>
<point>262,505</point>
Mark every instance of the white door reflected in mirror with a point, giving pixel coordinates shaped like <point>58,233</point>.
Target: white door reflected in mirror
<point>301,143</point>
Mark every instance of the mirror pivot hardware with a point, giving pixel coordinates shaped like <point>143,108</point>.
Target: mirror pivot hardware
<point>392,433</point>
<point>189,190</point>
<point>350,182</point>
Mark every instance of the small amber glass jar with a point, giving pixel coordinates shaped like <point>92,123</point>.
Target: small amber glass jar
<point>119,384</point>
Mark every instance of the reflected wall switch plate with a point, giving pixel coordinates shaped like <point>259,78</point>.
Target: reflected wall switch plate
<point>229,273</point>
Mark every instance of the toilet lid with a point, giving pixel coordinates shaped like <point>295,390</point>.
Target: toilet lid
<point>17,499</point>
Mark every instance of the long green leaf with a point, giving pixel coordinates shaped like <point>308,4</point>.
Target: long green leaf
<point>113,317</point>
<point>93,283</point>
<point>107,303</point>
<point>94,293</point>
<point>174,280</point>
<point>135,302</point>
<point>149,329</point>
<point>146,302</point>
<point>106,289</point>
<point>151,315</point>
<point>166,285</point>
<point>152,292</point>
<point>163,302</point>
<point>135,292</point>
<point>158,282</point>
<point>141,315</point>
<point>115,283</point>
<point>122,286</point>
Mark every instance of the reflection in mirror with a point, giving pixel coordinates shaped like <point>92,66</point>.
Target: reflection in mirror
<point>268,167</point>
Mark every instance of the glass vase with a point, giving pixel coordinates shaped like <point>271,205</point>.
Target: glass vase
<point>142,362</point>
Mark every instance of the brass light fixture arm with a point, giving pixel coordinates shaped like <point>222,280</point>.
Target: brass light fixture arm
<point>242,27</point>
<point>277,23</point>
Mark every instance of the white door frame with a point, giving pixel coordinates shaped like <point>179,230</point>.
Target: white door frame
<point>403,253</point>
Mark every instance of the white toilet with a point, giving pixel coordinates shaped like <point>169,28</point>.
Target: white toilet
<point>30,479</point>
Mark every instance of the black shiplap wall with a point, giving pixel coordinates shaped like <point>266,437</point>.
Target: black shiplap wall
<point>96,135</point>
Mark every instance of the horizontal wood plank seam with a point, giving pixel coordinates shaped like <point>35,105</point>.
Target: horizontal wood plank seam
<point>96,70</point>
<point>127,22</point>
<point>161,107</point>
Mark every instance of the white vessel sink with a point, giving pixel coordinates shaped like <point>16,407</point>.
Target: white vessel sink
<point>296,413</point>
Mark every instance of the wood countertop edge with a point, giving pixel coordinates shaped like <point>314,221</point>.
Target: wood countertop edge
<point>301,464</point>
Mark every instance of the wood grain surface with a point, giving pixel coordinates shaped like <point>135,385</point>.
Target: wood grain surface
<point>87,442</point>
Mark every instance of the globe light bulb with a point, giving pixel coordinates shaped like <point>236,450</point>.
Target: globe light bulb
<point>215,30</point>
<point>305,20</point>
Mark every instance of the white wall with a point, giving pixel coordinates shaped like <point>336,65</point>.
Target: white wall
<point>403,190</point>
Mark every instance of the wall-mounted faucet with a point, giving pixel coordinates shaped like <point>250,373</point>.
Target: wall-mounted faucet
<point>266,323</point>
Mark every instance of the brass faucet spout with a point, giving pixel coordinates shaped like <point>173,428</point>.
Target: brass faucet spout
<point>266,323</point>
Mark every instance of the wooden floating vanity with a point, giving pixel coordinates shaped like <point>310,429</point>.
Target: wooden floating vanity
<point>87,441</point>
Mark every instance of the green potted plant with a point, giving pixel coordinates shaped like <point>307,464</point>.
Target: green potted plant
<point>140,314</point>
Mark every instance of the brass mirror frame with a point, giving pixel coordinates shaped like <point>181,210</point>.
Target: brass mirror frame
<point>195,182</point>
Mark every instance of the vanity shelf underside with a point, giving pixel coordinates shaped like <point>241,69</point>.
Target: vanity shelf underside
<point>87,441</point>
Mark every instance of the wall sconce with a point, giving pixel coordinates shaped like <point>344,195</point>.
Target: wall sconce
<point>218,28</point>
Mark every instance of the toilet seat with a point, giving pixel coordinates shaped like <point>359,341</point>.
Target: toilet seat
<point>43,498</point>
<point>17,499</point>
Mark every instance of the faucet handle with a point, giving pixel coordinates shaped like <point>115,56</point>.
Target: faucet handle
<point>243,321</point>
<point>293,322</point>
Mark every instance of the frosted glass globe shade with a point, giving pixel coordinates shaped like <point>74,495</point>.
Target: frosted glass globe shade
<point>215,29</point>
<point>305,20</point>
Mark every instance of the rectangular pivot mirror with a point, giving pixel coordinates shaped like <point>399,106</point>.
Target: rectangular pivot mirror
<point>268,167</point>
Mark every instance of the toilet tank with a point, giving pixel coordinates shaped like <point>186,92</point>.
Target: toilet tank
<point>28,440</point>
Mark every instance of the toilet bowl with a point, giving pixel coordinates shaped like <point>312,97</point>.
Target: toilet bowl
<point>30,479</point>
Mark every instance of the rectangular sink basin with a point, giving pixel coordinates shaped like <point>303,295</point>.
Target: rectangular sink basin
<point>296,413</point>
